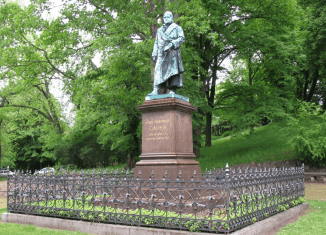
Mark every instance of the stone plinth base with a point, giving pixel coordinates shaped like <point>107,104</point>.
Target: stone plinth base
<point>168,168</point>
<point>167,145</point>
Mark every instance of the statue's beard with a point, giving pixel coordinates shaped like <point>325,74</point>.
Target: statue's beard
<point>168,22</point>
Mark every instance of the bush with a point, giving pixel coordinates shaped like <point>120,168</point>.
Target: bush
<point>309,142</point>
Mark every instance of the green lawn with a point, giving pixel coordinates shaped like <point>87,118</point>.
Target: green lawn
<point>11,228</point>
<point>313,223</point>
<point>267,143</point>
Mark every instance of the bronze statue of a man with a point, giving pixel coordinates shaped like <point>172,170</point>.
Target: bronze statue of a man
<point>167,55</point>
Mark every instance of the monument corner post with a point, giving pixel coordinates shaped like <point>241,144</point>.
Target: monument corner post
<point>167,140</point>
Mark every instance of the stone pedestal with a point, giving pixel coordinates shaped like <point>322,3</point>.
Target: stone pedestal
<point>167,143</point>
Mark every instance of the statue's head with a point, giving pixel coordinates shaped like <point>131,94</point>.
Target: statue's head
<point>168,17</point>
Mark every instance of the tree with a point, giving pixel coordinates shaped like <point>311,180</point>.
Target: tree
<point>37,50</point>
<point>29,62</point>
<point>311,78</point>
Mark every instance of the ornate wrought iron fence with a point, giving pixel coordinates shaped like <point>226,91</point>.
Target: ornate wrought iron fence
<point>221,201</point>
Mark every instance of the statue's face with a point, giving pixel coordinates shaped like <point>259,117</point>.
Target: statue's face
<point>168,18</point>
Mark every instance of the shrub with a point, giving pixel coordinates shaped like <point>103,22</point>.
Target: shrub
<point>309,142</point>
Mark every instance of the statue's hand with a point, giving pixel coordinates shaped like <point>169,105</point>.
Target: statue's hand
<point>168,47</point>
<point>154,58</point>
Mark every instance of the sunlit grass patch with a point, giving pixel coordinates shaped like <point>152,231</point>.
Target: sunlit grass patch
<point>313,223</point>
<point>266,144</point>
<point>12,228</point>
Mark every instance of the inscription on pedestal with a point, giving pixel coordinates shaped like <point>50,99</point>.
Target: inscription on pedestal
<point>157,129</point>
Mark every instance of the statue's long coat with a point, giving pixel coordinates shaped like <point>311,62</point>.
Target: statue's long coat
<point>169,67</point>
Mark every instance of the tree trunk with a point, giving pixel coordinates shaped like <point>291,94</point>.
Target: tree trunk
<point>208,131</point>
<point>313,86</point>
<point>197,138</point>
<point>250,71</point>
<point>131,161</point>
<point>324,99</point>
<point>210,98</point>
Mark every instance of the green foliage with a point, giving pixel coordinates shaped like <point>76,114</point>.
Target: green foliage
<point>253,220</point>
<point>311,62</point>
<point>80,147</point>
<point>30,61</point>
<point>281,208</point>
<point>277,45</point>
<point>309,142</point>
<point>246,106</point>
<point>301,200</point>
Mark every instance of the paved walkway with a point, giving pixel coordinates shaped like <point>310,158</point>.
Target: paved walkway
<point>3,195</point>
<point>315,191</point>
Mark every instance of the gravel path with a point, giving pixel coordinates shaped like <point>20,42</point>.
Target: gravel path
<point>3,187</point>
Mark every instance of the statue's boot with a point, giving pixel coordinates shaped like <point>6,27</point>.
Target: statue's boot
<point>173,91</point>
<point>155,91</point>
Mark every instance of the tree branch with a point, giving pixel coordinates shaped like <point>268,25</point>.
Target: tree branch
<point>35,109</point>
<point>47,58</point>
<point>34,125</point>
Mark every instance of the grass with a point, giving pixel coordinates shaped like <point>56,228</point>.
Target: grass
<point>2,210</point>
<point>3,179</point>
<point>12,228</point>
<point>313,223</point>
<point>267,143</point>
<point>113,168</point>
